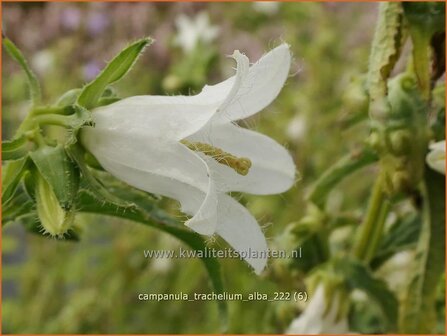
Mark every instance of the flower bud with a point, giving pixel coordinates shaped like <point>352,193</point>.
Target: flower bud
<point>400,142</point>
<point>54,220</point>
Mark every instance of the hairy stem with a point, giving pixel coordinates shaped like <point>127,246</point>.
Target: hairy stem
<point>372,226</point>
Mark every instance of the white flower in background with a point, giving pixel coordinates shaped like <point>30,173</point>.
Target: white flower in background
<point>397,270</point>
<point>297,128</point>
<point>42,61</point>
<point>189,148</point>
<point>191,31</point>
<point>266,7</point>
<point>318,319</point>
<point>436,157</point>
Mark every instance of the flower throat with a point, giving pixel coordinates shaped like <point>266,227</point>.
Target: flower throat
<point>240,165</point>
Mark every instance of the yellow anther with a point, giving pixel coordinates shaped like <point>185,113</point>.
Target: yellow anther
<point>241,165</point>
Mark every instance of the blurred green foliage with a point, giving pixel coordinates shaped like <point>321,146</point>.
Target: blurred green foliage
<point>91,286</point>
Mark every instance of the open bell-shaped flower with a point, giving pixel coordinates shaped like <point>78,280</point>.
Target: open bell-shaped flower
<point>188,148</point>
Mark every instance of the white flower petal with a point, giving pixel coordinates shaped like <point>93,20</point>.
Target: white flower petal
<point>167,117</point>
<point>436,157</point>
<point>227,90</point>
<point>272,170</point>
<point>170,117</point>
<point>256,89</point>
<point>317,320</point>
<point>168,169</point>
<point>440,145</point>
<point>241,230</point>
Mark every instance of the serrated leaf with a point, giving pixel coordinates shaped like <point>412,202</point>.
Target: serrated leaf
<point>148,214</point>
<point>16,148</point>
<point>359,277</point>
<point>113,72</point>
<point>11,176</point>
<point>59,171</point>
<point>418,310</point>
<point>387,43</point>
<point>33,83</point>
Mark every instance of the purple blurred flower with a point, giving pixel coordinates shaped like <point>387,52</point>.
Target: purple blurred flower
<point>91,70</point>
<point>97,23</point>
<point>70,18</point>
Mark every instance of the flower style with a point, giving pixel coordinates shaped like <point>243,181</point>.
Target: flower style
<point>188,148</point>
<point>318,318</point>
<point>436,158</point>
<point>191,31</point>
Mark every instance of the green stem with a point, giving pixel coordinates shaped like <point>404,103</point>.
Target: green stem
<point>337,172</point>
<point>51,110</point>
<point>372,226</point>
<point>374,241</point>
<point>54,119</point>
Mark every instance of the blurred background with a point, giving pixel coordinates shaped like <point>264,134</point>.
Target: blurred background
<point>91,286</point>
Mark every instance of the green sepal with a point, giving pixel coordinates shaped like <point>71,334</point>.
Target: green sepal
<point>59,171</point>
<point>77,153</point>
<point>12,174</point>
<point>113,72</point>
<point>69,97</point>
<point>16,148</point>
<point>33,83</point>
<point>107,101</point>
<point>357,276</point>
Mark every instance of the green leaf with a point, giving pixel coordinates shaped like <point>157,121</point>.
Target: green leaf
<point>16,148</point>
<point>425,19</point>
<point>33,83</point>
<point>148,214</point>
<point>113,72</point>
<point>11,176</point>
<point>418,311</point>
<point>337,172</point>
<point>359,277</point>
<point>402,235</point>
<point>19,206</point>
<point>59,171</point>
<point>388,40</point>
